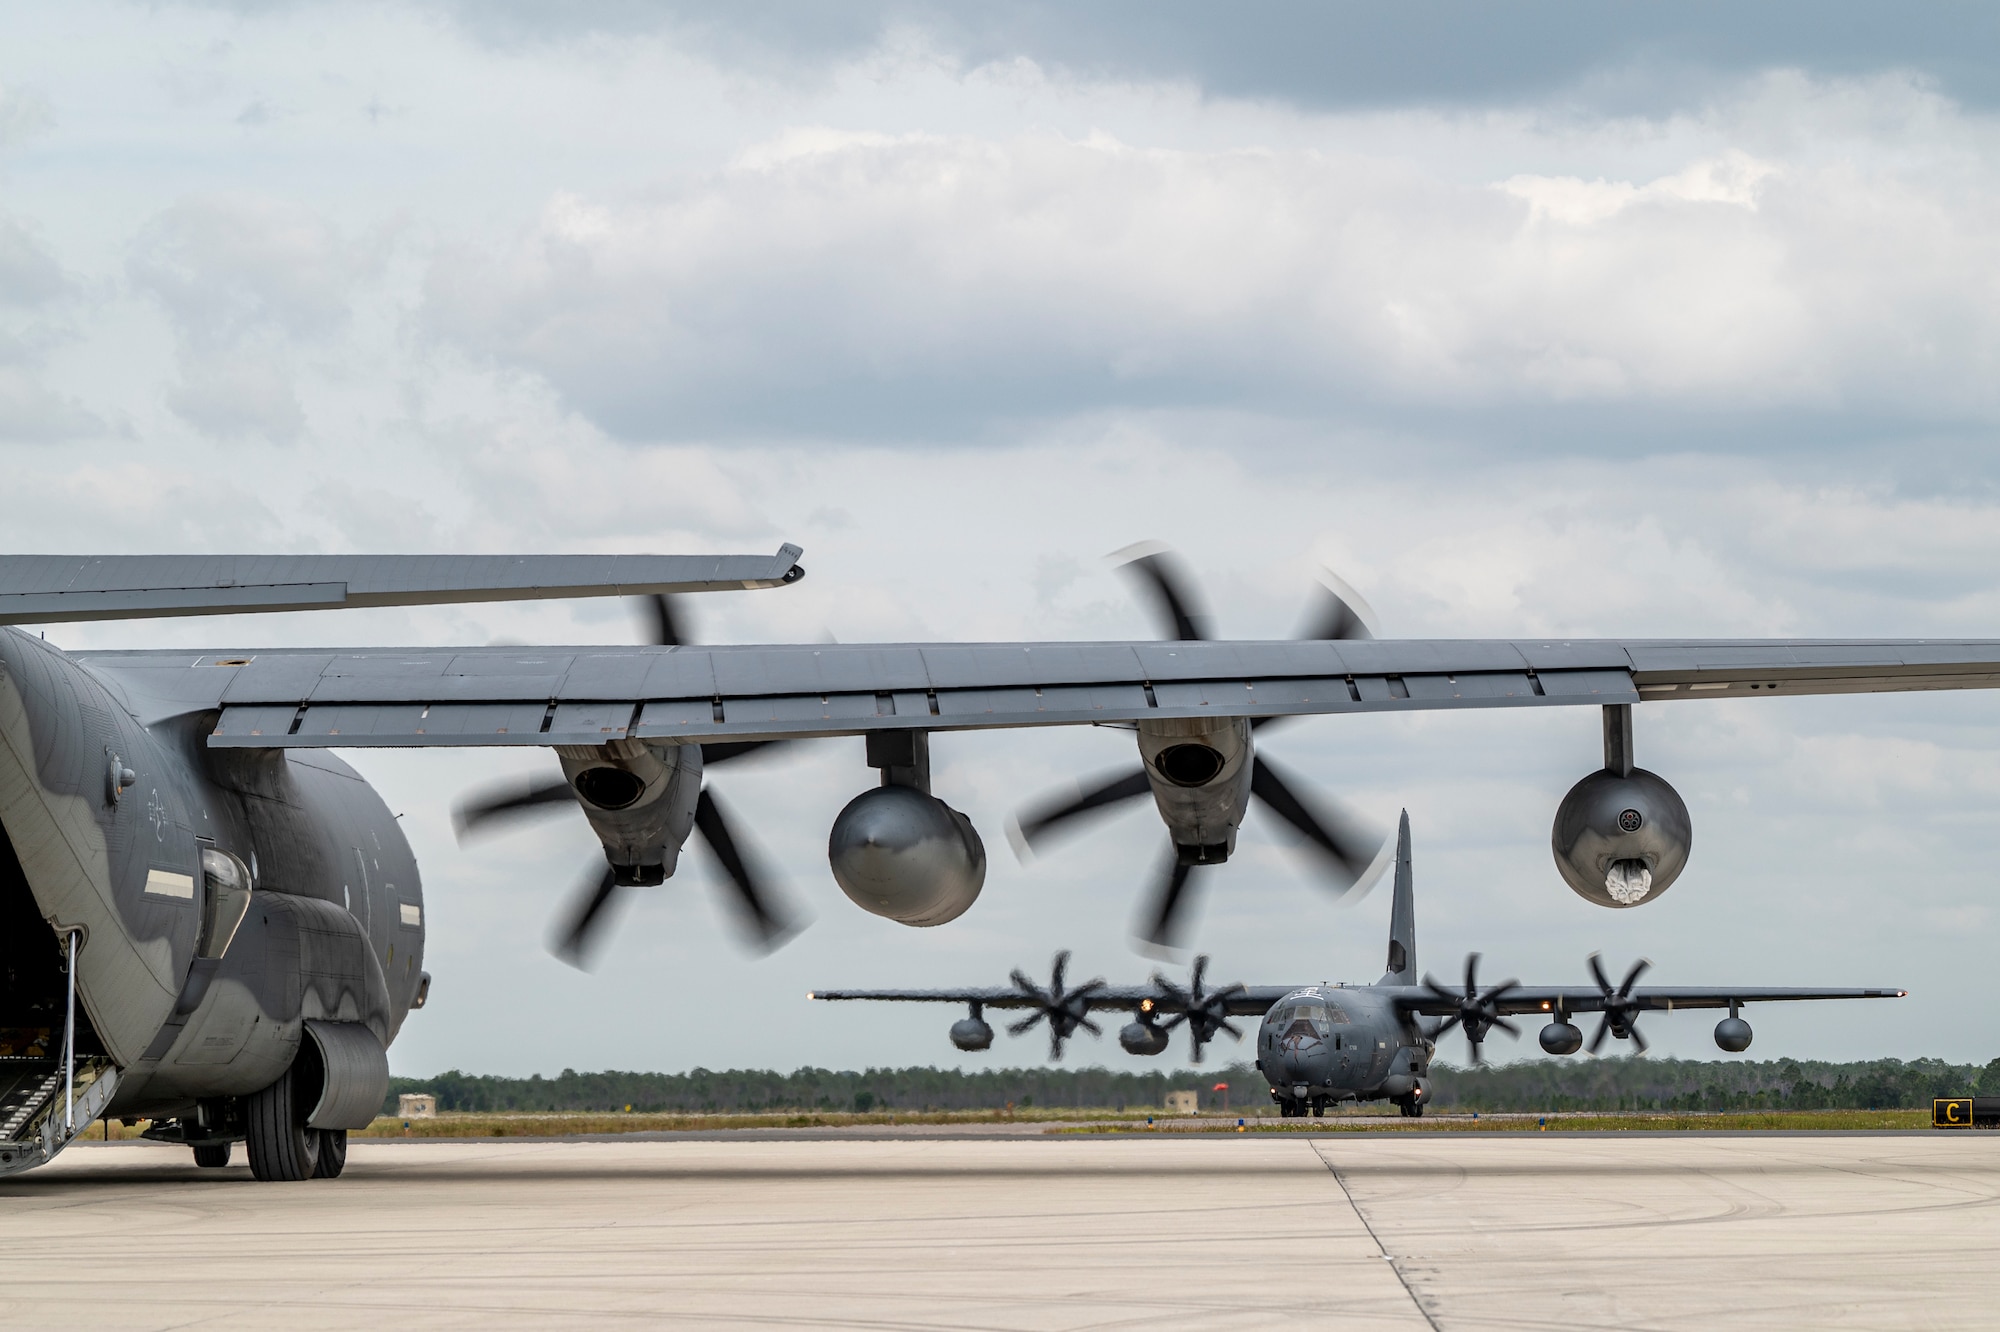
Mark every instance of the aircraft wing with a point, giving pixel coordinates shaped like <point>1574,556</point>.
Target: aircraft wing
<point>62,589</point>
<point>1590,999</point>
<point>1132,998</point>
<point>590,695</point>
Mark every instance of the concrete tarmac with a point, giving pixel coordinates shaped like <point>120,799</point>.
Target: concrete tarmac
<point>1507,1231</point>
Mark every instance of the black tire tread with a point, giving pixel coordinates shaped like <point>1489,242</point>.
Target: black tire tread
<point>332,1157</point>
<point>281,1147</point>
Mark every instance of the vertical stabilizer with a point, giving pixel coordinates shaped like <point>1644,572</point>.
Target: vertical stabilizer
<point>1402,915</point>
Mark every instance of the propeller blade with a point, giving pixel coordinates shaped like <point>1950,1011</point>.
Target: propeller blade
<point>1603,1030</point>
<point>1336,612</point>
<point>1478,1055</point>
<point>1596,964</point>
<point>1234,1031</point>
<point>1446,1026</point>
<point>1030,827</point>
<point>1439,993</point>
<point>722,751</point>
<point>1632,976</point>
<point>573,945</point>
<point>663,624</point>
<point>1471,976</point>
<point>1175,602</point>
<point>1056,971</point>
<point>753,895</point>
<point>1167,898</point>
<point>509,801</point>
<point>1350,849</point>
<point>1637,1039</point>
<point>1194,979</point>
<point>1089,1026</point>
<point>1506,1026</point>
<point>1017,1028</point>
<point>1023,984</point>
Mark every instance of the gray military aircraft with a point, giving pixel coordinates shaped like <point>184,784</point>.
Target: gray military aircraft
<point>209,922</point>
<point>1318,1044</point>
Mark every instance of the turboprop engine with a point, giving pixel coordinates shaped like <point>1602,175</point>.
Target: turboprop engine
<point>1621,835</point>
<point>899,851</point>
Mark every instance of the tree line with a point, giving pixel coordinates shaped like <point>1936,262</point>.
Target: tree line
<point>1624,1083</point>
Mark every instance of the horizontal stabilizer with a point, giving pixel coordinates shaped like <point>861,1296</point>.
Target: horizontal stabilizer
<point>63,589</point>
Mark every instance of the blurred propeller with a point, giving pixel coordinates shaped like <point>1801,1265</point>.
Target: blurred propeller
<point>1205,1011</point>
<point>1475,1012</point>
<point>1348,846</point>
<point>1621,1012</point>
<point>753,894</point>
<point>1063,1009</point>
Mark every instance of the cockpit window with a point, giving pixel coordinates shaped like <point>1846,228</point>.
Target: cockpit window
<point>1312,1014</point>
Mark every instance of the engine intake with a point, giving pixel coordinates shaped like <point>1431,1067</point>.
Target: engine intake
<point>899,853</point>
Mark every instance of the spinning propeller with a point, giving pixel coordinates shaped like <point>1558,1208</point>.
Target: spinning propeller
<point>1347,847</point>
<point>1064,1010</point>
<point>1621,1012</point>
<point>1477,1013</point>
<point>1205,1011</point>
<point>752,892</point>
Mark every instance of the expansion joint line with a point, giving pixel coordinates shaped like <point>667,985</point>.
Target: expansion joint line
<point>1369,1226</point>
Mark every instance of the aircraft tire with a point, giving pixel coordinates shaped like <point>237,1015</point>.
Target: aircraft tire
<point>212,1156</point>
<point>281,1147</point>
<point>332,1154</point>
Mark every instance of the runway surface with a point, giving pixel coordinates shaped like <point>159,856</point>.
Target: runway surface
<point>1513,1231</point>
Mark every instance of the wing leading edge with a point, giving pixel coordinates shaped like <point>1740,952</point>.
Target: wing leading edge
<point>1244,1002</point>
<point>1590,999</point>
<point>589,695</point>
<point>61,589</point>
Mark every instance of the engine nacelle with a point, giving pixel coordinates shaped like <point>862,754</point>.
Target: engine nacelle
<point>908,856</point>
<point>1562,1038</point>
<point>1620,841</point>
<point>1732,1034</point>
<point>1142,1038</point>
<point>971,1033</point>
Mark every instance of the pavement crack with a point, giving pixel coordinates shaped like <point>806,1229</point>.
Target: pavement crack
<point>1395,1265</point>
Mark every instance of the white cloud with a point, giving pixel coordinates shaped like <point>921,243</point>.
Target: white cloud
<point>243,278</point>
<point>912,282</point>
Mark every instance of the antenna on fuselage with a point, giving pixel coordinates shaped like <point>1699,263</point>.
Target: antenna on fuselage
<point>1402,915</point>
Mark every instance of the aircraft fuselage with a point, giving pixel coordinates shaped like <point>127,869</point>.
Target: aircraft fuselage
<point>108,801</point>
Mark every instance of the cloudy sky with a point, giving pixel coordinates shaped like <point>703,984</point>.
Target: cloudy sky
<point>1558,319</point>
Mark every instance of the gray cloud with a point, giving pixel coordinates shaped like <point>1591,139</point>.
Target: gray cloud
<point>29,273</point>
<point>1331,55</point>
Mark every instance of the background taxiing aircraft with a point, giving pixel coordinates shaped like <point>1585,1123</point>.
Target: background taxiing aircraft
<point>1317,1044</point>
<point>209,922</point>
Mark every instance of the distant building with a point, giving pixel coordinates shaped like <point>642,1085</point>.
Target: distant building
<point>417,1105</point>
<point>1183,1103</point>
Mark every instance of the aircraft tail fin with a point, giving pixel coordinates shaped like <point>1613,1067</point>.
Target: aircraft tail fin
<point>1403,915</point>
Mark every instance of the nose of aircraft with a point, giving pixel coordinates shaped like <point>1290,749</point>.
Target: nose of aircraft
<point>1303,1053</point>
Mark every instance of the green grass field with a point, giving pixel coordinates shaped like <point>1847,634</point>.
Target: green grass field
<point>1130,1121</point>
